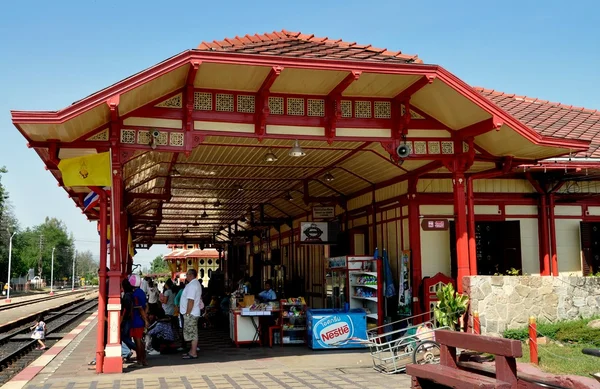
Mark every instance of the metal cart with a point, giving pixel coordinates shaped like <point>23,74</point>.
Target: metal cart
<point>392,351</point>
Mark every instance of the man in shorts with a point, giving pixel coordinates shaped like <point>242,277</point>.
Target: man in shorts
<point>139,321</point>
<point>190,306</point>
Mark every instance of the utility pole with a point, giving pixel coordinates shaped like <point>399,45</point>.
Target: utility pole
<point>52,274</point>
<point>73,278</point>
<point>9,263</point>
<point>40,258</point>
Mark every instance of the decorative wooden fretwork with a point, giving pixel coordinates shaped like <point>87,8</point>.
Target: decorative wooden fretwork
<point>420,147</point>
<point>143,137</point>
<point>162,139</point>
<point>100,136</point>
<point>362,109</point>
<point>316,107</point>
<point>172,102</point>
<point>434,147</point>
<point>346,106</point>
<point>224,102</point>
<point>295,106</point>
<point>383,109</point>
<point>246,104</point>
<point>203,101</point>
<point>128,136</point>
<point>283,105</point>
<point>447,147</point>
<point>276,105</point>
<point>176,139</point>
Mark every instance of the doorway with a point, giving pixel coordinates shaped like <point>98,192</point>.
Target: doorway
<point>590,247</point>
<point>498,247</point>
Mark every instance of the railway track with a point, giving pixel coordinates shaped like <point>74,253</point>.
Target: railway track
<point>8,306</point>
<point>17,348</point>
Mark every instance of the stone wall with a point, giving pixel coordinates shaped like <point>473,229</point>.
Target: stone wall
<point>507,302</point>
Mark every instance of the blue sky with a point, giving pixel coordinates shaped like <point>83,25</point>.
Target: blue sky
<point>53,53</point>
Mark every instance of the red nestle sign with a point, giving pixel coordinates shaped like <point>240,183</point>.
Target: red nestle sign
<point>434,224</point>
<point>336,332</point>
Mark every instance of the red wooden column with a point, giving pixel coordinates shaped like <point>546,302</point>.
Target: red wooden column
<point>102,297</point>
<point>458,166</point>
<point>460,221</point>
<point>553,235</point>
<point>113,362</point>
<point>471,225</point>
<point>544,236</point>
<point>414,230</point>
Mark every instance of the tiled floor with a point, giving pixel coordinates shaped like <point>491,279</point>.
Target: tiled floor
<point>220,365</point>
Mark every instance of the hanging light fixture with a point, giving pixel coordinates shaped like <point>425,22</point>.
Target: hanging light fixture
<point>238,187</point>
<point>328,177</point>
<point>175,172</point>
<point>296,150</point>
<point>204,214</point>
<point>217,204</point>
<point>187,230</point>
<point>196,224</point>
<point>289,197</point>
<point>243,219</point>
<point>270,157</point>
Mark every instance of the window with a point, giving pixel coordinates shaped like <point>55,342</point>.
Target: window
<point>498,247</point>
<point>190,246</point>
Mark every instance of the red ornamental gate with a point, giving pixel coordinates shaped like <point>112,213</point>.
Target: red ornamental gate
<point>430,288</point>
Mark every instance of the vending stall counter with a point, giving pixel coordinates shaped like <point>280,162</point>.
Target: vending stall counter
<point>326,328</point>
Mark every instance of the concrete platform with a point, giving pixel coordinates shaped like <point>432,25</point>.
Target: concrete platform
<point>220,365</point>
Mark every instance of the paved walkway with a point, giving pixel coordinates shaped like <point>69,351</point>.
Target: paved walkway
<point>219,366</point>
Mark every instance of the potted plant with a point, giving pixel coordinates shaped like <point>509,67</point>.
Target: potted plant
<point>450,307</point>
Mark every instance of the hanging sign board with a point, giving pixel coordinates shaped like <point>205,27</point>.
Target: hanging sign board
<point>434,224</point>
<point>323,212</point>
<point>314,232</point>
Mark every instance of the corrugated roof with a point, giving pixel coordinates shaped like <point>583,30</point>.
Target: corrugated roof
<point>551,119</point>
<point>295,44</point>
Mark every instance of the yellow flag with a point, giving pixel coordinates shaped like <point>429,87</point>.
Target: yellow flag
<point>89,170</point>
<point>130,244</point>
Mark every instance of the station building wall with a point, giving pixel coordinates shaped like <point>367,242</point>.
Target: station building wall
<point>392,230</point>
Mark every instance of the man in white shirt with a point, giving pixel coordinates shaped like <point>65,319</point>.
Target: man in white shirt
<point>190,306</point>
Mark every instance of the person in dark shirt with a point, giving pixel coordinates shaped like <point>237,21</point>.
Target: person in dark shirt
<point>139,321</point>
<point>127,315</point>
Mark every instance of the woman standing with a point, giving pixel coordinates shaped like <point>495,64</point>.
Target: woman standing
<point>168,299</point>
<point>152,297</point>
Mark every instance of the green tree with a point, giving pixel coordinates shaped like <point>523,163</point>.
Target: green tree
<point>8,226</point>
<point>38,242</point>
<point>87,266</point>
<point>158,265</point>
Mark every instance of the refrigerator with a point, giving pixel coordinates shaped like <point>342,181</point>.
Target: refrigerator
<point>326,328</point>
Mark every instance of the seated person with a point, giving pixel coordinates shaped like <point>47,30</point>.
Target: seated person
<point>268,294</point>
<point>162,336</point>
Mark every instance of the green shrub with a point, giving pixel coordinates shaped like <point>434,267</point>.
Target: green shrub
<point>575,331</point>
<point>581,335</point>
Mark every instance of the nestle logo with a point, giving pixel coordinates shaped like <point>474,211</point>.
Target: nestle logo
<point>336,332</point>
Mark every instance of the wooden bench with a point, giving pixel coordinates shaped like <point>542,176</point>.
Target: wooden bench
<point>449,374</point>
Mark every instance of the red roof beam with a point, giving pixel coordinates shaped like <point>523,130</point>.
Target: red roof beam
<point>188,106</point>
<point>413,88</point>
<point>333,108</point>
<point>480,128</point>
<point>260,125</point>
